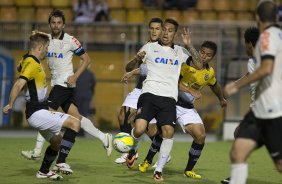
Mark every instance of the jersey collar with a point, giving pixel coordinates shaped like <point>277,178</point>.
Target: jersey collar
<point>160,43</point>
<point>32,56</point>
<point>61,37</point>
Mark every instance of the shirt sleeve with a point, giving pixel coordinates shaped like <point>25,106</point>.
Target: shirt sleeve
<point>76,47</point>
<point>269,43</point>
<point>27,69</point>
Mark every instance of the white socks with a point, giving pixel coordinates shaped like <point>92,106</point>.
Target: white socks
<point>239,173</point>
<point>89,127</point>
<point>39,143</point>
<point>165,150</point>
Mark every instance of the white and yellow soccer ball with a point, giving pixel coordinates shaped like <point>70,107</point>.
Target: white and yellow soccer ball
<point>123,142</point>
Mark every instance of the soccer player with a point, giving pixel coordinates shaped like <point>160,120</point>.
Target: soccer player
<point>61,49</point>
<point>129,107</point>
<point>251,37</point>
<point>264,118</point>
<point>192,80</point>
<point>159,92</point>
<point>49,123</point>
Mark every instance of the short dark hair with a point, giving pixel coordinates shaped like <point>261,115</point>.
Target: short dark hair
<point>211,45</point>
<point>38,38</point>
<point>251,35</point>
<point>172,21</point>
<point>267,11</point>
<point>156,20</point>
<point>57,13</point>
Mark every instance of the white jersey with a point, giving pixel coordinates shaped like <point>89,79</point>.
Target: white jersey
<point>268,102</point>
<point>251,69</point>
<point>163,64</point>
<point>59,57</point>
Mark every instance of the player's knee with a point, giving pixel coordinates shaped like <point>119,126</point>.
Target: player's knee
<point>72,123</point>
<point>120,118</point>
<point>200,138</point>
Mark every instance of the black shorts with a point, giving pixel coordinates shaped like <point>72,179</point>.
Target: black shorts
<point>264,132</point>
<point>61,97</point>
<point>152,106</point>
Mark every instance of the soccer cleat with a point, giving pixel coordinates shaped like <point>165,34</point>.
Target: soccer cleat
<point>121,159</point>
<point>144,166</point>
<point>131,159</point>
<point>51,175</point>
<point>109,147</point>
<point>31,155</point>
<point>225,181</point>
<point>192,174</point>
<point>62,168</point>
<point>168,160</point>
<point>158,176</point>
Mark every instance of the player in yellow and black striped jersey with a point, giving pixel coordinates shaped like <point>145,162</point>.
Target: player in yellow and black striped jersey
<point>49,123</point>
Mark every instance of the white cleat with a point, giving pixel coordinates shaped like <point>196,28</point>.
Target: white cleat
<point>109,147</point>
<point>62,168</point>
<point>31,155</point>
<point>50,175</point>
<point>168,160</point>
<point>122,158</point>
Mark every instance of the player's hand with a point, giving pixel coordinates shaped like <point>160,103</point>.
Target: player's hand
<point>126,77</point>
<point>186,36</point>
<point>230,89</point>
<point>6,109</point>
<point>71,81</point>
<point>223,102</point>
<point>140,55</point>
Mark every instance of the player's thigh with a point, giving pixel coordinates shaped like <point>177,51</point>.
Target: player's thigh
<point>189,120</point>
<point>145,105</point>
<point>166,111</point>
<point>48,123</point>
<point>73,111</point>
<point>241,149</point>
<point>72,123</point>
<point>152,129</point>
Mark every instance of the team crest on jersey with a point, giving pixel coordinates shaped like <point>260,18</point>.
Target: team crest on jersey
<point>55,55</point>
<point>166,61</point>
<point>206,77</point>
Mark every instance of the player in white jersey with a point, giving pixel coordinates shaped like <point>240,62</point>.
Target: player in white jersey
<point>159,92</point>
<point>264,119</point>
<point>129,107</point>
<point>251,36</point>
<point>61,49</point>
<point>49,123</point>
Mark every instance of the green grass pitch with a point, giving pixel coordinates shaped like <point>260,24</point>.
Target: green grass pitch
<point>91,165</point>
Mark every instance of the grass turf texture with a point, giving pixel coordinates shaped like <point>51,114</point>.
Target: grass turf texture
<point>91,165</point>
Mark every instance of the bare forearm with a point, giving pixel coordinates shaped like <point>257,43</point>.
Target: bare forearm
<point>15,92</point>
<point>216,89</point>
<point>195,56</point>
<point>134,63</point>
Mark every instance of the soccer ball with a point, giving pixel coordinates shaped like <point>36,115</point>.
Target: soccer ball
<point>123,142</point>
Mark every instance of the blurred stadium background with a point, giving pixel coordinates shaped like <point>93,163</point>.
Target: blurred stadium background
<point>111,45</point>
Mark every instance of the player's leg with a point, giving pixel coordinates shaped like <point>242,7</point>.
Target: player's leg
<point>166,119</point>
<point>90,128</point>
<point>35,154</point>
<point>191,123</point>
<point>126,117</point>
<point>246,141</point>
<point>197,131</point>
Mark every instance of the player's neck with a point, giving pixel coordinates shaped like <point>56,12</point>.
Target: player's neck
<point>57,36</point>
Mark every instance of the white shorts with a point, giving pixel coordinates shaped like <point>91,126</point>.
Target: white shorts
<point>49,123</point>
<point>132,98</point>
<point>186,116</point>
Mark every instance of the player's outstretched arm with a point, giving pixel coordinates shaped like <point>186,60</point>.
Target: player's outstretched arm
<point>135,62</point>
<point>216,89</point>
<point>18,86</point>
<point>128,75</point>
<point>187,40</point>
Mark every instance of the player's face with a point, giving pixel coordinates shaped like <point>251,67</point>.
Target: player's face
<point>206,55</point>
<point>56,25</point>
<point>168,34</point>
<point>155,30</point>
